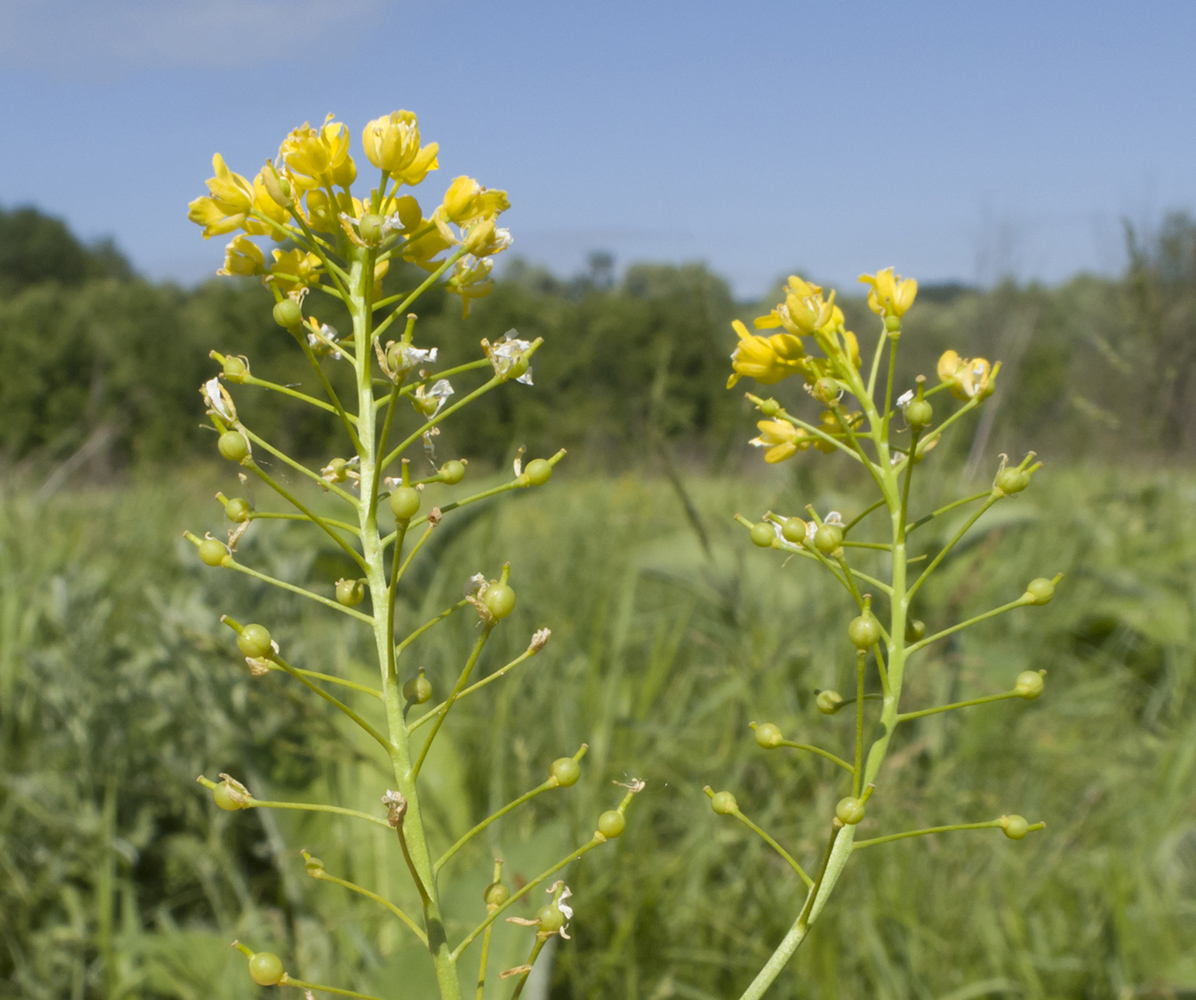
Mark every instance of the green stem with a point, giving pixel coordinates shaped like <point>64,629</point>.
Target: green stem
<point>819,751</point>
<point>427,283</point>
<point>442,712</point>
<point>231,563</point>
<point>985,700</point>
<point>488,679</point>
<point>286,390</point>
<point>331,679</point>
<point>987,825</point>
<point>863,514</point>
<point>943,510</point>
<point>324,876</point>
<point>299,467</point>
<point>482,965</point>
<point>531,961</point>
<point>270,515</point>
<point>427,625</point>
<point>300,984</point>
<point>857,772</point>
<point>738,814</point>
<point>382,740</point>
<point>948,547</point>
<point>1021,602</point>
<point>466,838</point>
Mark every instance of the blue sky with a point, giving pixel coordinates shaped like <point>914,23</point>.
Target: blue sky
<point>953,140</point>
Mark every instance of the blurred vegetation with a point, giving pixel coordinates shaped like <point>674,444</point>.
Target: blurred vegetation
<point>95,359</point>
<point>118,686</point>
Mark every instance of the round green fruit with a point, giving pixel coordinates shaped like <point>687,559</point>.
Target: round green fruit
<point>794,530</point>
<point>538,471</point>
<point>849,811</point>
<point>1012,481</point>
<point>254,640</point>
<point>551,918</point>
<point>769,736</point>
<point>864,631</point>
<point>566,771</point>
<point>404,502</point>
<point>212,552</point>
<point>238,510</point>
<point>1029,684</point>
<point>763,534</point>
<point>724,803</point>
<point>265,968</point>
<point>1014,827</point>
<point>919,414</point>
<point>452,472</point>
<point>499,600</point>
<point>611,823</point>
<point>418,690</point>
<point>370,227</point>
<point>828,538</point>
<point>233,446</point>
<point>222,793</point>
<point>288,313</point>
<point>496,894</point>
<point>828,702</point>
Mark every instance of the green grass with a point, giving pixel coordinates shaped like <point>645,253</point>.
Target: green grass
<point>118,686</point>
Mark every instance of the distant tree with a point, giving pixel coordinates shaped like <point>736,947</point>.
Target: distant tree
<point>36,248</point>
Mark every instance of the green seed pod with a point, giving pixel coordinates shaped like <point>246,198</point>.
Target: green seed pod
<point>288,314</point>
<point>1040,591</point>
<point>1012,480</point>
<point>370,227</point>
<point>538,471</point>
<point>452,472</point>
<point>763,535</point>
<point>265,968</point>
<point>769,736</point>
<point>418,690</point>
<point>828,702</point>
<point>566,771</point>
<point>919,414</point>
<point>850,811</point>
<point>828,538</point>
<point>1029,684</point>
<point>794,530</point>
<point>233,446</point>
<point>770,408</point>
<point>404,502</point>
<point>496,894</point>
<point>254,640</point>
<point>893,324</point>
<point>499,600</point>
<point>212,552</point>
<point>238,510</point>
<point>611,823</point>
<point>235,369</point>
<point>551,919</point>
<point>864,631</point>
<point>724,803</point>
<point>350,593</point>
<point>914,629</point>
<point>222,793</point>
<point>1014,827</point>
<point>826,390</point>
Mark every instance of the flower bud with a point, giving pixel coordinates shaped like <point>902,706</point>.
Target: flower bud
<point>404,502</point>
<point>794,530</point>
<point>265,968</point>
<point>496,894</point>
<point>233,446</point>
<point>1039,591</point>
<point>538,471</point>
<point>1029,684</point>
<point>238,510</point>
<point>919,414</point>
<point>212,552</point>
<point>828,538</point>
<point>1015,827</point>
<point>724,803</point>
<point>763,534</point>
<point>770,408</point>
<point>255,641</point>
<point>611,824</point>
<point>828,702</point>
<point>288,314</point>
<point>1012,480</point>
<point>769,736</point>
<point>864,631</point>
<point>418,689</point>
<point>566,771</point>
<point>452,472</point>
<point>499,600</point>
<point>850,811</point>
<point>350,593</point>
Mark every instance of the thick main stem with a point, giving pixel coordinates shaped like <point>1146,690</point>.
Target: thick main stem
<point>361,277</point>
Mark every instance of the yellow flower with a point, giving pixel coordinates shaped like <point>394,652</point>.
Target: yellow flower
<point>242,256</point>
<point>804,310</point>
<point>228,204</point>
<point>890,295</point>
<point>294,269</point>
<point>766,359</point>
<point>392,144</point>
<point>467,201</point>
<point>967,377</point>
<point>484,239</point>
<point>471,280</point>
<point>264,204</point>
<point>319,156</point>
<point>782,440</point>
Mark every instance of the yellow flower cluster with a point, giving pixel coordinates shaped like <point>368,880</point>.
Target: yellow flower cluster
<point>803,313</point>
<point>307,190</point>
<point>968,377</point>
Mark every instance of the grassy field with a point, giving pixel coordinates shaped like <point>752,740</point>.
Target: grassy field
<point>118,686</point>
